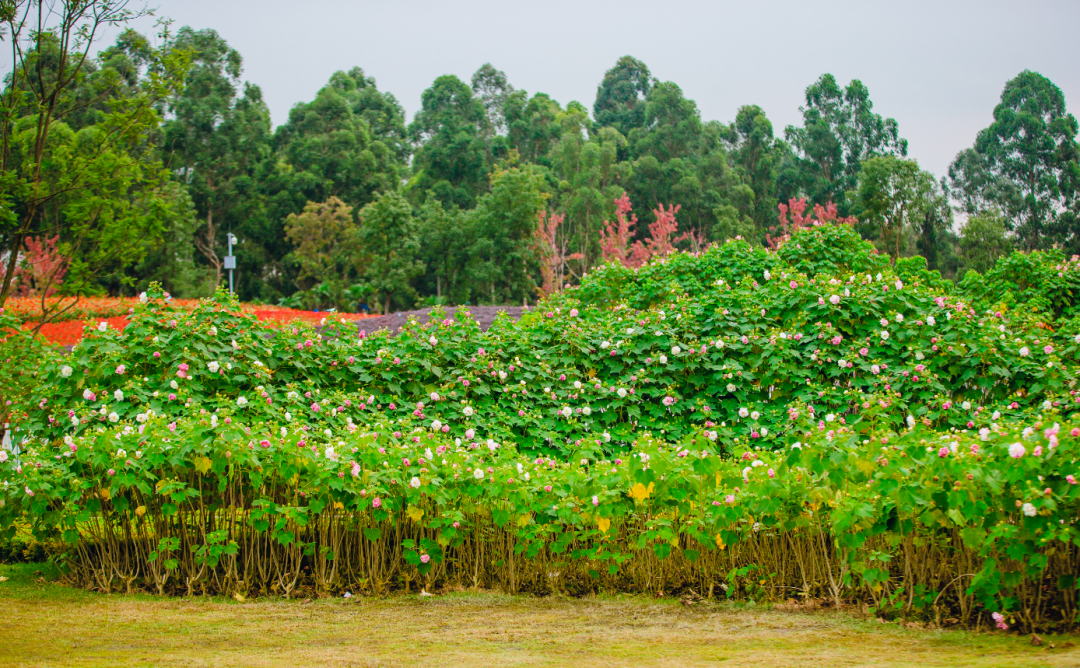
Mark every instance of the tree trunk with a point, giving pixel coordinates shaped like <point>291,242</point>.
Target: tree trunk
<point>897,258</point>
<point>9,271</point>
<point>207,245</point>
<point>211,240</point>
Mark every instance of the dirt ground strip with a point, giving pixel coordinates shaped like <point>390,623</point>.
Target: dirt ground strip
<point>49,624</point>
<point>483,315</point>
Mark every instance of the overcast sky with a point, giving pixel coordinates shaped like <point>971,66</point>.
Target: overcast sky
<point>937,67</point>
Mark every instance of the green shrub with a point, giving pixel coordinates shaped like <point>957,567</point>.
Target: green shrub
<point>759,342</point>
<point>21,355</point>
<point>1040,281</point>
<point>205,451</point>
<point>917,523</point>
<point>831,249</point>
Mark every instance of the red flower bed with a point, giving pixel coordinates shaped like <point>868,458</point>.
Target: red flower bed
<point>28,309</point>
<point>70,332</point>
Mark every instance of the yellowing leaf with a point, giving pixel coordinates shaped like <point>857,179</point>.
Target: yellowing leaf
<point>140,511</point>
<point>523,520</point>
<point>864,466</point>
<point>202,464</point>
<point>720,542</point>
<point>3,579</point>
<point>105,493</point>
<point>239,597</point>
<point>640,492</point>
<point>956,516</point>
<point>339,505</point>
<point>603,524</point>
<point>415,513</point>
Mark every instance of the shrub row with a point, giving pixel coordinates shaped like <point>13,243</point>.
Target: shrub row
<point>574,372</point>
<point>806,422</point>
<point>952,525</point>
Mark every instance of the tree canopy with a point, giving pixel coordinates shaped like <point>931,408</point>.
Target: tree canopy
<point>133,165</point>
<point>1025,165</point>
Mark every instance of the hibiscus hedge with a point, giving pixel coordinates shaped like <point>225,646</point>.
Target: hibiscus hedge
<point>731,336</point>
<point>920,523</point>
<point>203,450</point>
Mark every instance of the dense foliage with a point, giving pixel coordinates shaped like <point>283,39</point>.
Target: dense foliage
<point>247,499</point>
<point>677,341</point>
<point>750,422</point>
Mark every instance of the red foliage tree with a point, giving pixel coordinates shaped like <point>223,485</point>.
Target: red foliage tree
<point>696,238</point>
<point>41,269</point>
<point>660,241</point>
<point>551,251</point>
<point>615,237</point>
<point>791,218</point>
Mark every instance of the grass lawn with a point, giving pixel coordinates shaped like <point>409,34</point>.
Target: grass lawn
<point>44,623</point>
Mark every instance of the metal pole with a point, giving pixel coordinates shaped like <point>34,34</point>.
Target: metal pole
<point>230,262</point>
<point>230,271</point>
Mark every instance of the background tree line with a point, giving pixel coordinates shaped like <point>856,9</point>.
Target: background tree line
<point>136,162</point>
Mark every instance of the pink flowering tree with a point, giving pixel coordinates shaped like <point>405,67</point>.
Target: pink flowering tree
<point>551,251</point>
<point>40,274</point>
<point>660,242</point>
<point>41,269</point>
<point>615,244</point>
<point>696,239</point>
<point>791,218</point>
<point>615,237</point>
